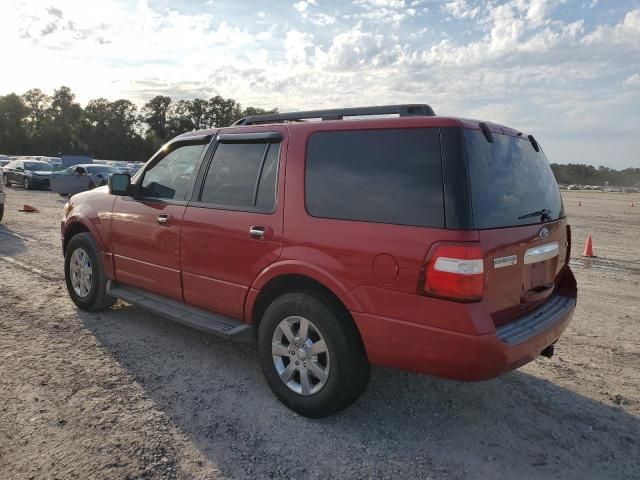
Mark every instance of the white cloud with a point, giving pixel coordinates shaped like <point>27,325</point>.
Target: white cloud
<point>633,80</point>
<point>460,9</point>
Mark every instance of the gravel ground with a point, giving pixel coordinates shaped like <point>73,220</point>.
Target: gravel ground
<point>121,394</point>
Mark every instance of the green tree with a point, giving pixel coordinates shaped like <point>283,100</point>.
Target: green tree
<point>154,114</point>
<point>13,114</point>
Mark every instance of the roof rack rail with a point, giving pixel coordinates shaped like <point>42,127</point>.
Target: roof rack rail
<point>410,110</point>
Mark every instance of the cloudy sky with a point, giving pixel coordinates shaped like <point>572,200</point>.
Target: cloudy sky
<point>567,71</point>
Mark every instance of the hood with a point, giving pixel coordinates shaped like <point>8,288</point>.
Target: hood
<point>43,173</point>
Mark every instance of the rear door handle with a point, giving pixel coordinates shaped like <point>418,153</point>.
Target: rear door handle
<point>257,232</point>
<point>163,219</point>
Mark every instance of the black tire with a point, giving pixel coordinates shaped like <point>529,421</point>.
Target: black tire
<point>63,194</point>
<point>350,369</point>
<point>1,211</point>
<point>26,184</point>
<point>97,298</point>
<point>6,181</point>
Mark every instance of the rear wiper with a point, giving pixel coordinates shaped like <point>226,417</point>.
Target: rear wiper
<point>544,214</point>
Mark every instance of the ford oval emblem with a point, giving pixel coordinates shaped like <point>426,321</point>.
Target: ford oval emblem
<point>543,233</point>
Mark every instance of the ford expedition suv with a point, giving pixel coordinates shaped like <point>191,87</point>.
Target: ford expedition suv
<point>337,240</point>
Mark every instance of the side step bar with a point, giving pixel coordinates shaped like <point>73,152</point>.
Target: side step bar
<point>198,318</point>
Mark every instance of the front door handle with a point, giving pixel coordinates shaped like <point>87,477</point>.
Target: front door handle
<point>257,232</point>
<point>163,219</point>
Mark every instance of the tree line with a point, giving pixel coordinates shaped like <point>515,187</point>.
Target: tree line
<point>35,123</point>
<point>580,174</point>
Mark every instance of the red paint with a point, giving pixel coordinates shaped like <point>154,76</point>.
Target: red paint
<point>206,257</point>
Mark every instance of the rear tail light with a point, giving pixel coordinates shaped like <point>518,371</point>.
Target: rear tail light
<point>455,272</point>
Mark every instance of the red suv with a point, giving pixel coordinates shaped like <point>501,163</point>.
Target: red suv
<point>432,244</point>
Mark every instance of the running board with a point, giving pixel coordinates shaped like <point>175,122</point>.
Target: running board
<point>198,318</point>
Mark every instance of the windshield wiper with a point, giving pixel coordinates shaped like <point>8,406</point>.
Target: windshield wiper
<point>544,214</point>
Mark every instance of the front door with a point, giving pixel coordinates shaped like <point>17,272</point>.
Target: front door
<point>232,229</point>
<point>145,228</point>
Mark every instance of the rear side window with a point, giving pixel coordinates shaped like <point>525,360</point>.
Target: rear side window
<point>386,176</point>
<point>242,176</point>
<point>510,182</point>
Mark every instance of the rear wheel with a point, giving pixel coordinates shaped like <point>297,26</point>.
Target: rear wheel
<point>1,211</point>
<point>311,354</point>
<point>27,184</point>
<point>6,181</point>
<point>84,274</point>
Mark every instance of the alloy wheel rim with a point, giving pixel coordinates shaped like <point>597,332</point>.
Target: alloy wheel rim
<point>300,355</point>
<point>81,272</point>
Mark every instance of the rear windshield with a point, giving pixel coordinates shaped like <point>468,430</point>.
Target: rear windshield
<point>510,182</point>
<point>383,176</point>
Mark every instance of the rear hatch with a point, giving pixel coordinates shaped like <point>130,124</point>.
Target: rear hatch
<point>519,215</point>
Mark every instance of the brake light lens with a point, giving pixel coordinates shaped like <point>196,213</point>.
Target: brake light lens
<point>455,272</point>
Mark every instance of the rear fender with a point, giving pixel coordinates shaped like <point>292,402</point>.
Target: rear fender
<point>297,267</point>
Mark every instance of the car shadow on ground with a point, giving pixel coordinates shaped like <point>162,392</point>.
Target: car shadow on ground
<point>406,425</point>
<point>11,243</point>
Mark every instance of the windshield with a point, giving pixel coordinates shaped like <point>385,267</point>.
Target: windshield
<point>511,183</point>
<point>38,166</point>
<point>105,169</point>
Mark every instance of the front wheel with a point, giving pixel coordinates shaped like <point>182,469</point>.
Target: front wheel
<point>1,211</point>
<point>27,184</point>
<point>6,181</point>
<point>84,274</point>
<point>311,354</point>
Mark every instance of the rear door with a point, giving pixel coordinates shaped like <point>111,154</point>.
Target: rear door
<point>518,211</point>
<point>232,229</point>
<point>145,227</point>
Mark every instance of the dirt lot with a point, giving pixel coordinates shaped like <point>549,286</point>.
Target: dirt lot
<point>121,394</point>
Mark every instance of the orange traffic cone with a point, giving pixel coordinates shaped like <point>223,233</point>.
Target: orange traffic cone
<point>588,248</point>
<point>28,209</point>
<point>579,203</point>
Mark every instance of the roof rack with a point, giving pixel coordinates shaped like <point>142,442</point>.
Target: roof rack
<point>410,110</point>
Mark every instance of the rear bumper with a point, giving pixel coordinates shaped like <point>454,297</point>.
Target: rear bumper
<point>463,356</point>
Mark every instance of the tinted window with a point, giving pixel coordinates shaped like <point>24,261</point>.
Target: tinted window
<point>169,178</point>
<point>266,198</point>
<point>509,180</point>
<point>232,178</point>
<point>387,176</point>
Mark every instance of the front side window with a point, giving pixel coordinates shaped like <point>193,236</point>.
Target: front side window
<point>169,178</point>
<point>242,176</point>
<point>384,176</point>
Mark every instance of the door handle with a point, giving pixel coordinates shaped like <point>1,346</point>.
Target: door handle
<point>163,219</point>
<point>257,232</point>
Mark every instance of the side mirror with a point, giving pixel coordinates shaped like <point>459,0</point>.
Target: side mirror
<point>120,184</point>
<point>19,169</point>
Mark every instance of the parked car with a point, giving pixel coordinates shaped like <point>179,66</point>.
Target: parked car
<point>417,242</point>
<point>28,173</point>
<point>79,178</point>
